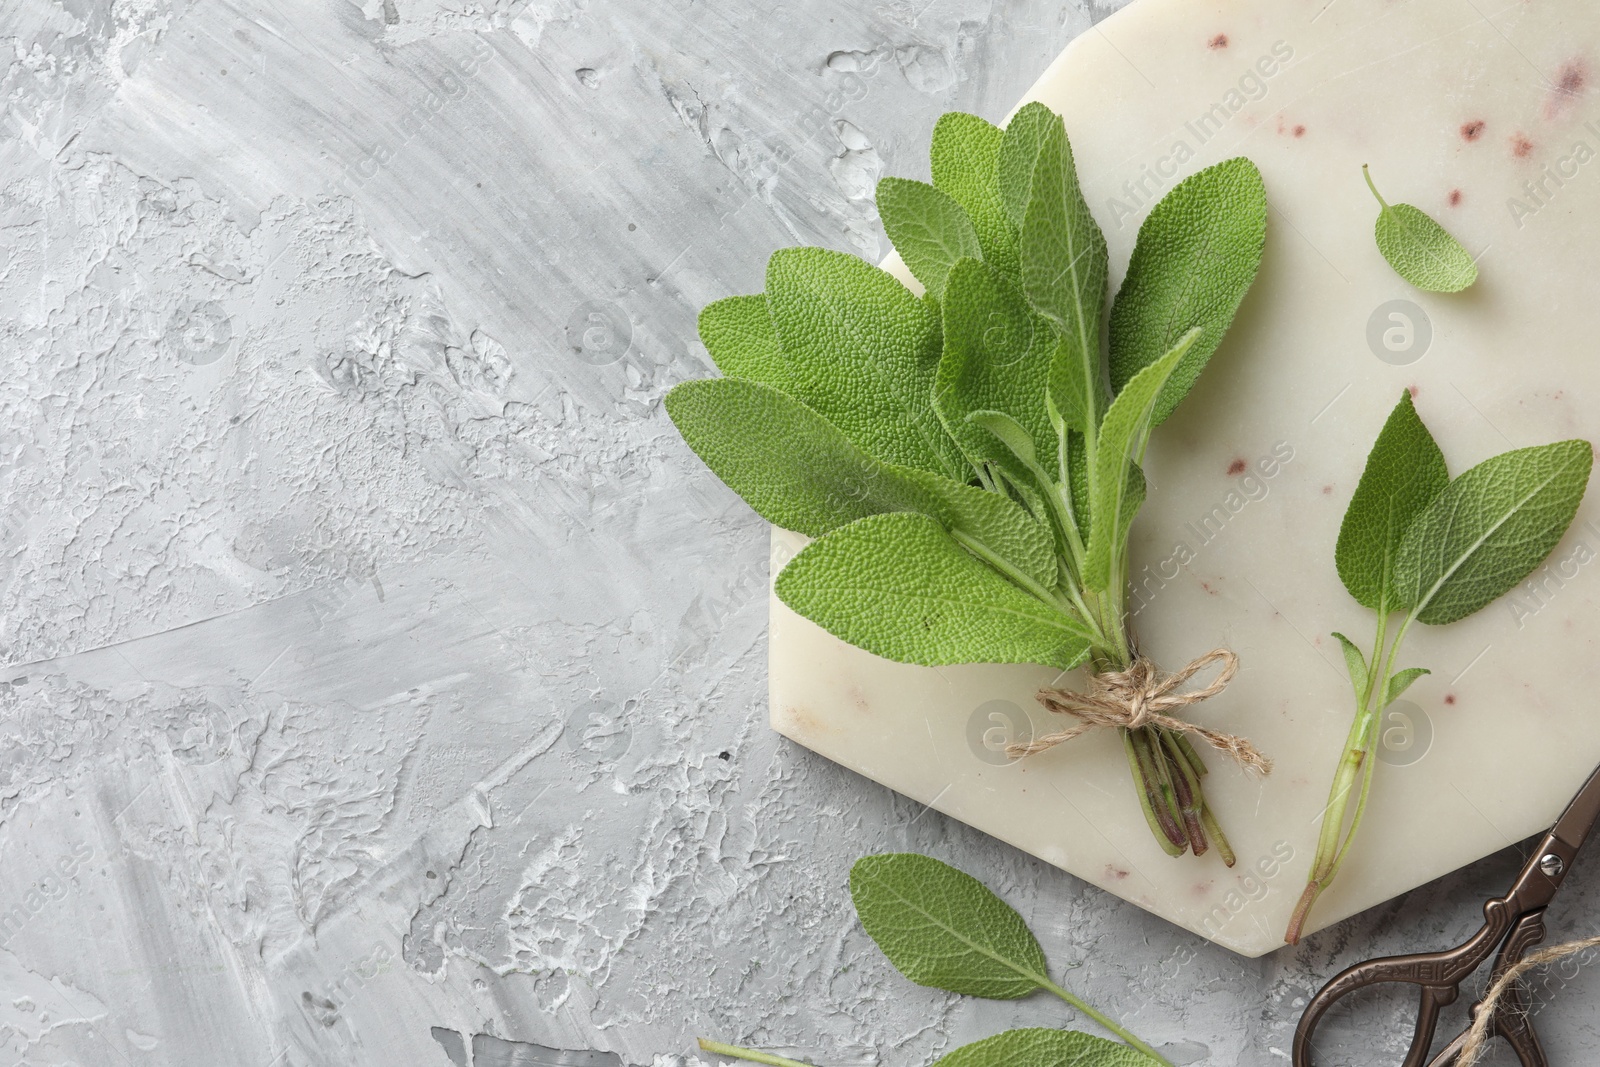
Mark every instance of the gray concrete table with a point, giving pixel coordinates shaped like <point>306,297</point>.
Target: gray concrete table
<point>384,679</point>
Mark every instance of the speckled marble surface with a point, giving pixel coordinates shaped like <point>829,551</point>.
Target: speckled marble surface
<point>385,682</point>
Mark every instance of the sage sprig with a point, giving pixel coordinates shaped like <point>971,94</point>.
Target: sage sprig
<point>1416,546</point>
<point>968,460</point>
<point>942,928</point>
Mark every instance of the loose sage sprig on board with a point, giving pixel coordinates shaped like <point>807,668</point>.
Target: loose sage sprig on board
<point>1417,546</point>
<point>943,928</point>
<point>969,460</point>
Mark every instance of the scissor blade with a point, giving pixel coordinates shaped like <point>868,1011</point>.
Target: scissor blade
<point>1578,821</point>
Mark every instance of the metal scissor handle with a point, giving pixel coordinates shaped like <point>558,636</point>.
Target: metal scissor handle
<point>1512,924</point>
<point>1437,974</point>
<point>1511,1020</point>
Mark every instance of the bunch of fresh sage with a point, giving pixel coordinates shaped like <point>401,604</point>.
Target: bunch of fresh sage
<point>968,460</point>
<point>943,928</point>
<point>1418,547</point>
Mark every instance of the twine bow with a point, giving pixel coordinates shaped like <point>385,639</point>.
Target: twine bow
<point>1143,695</point>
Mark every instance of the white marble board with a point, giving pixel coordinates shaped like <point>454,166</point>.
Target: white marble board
<point>1485,116</point>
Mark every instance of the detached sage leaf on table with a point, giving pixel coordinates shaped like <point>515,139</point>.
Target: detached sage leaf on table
<point>1041,1047</point>
<point>942,928</point>
<point>970,460</point>
<point>1419,249</point>
<point>1418,547</point>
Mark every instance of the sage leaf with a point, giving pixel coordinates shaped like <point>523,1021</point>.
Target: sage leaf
<point>1064,265</point>
<point>1123,435</point>
<point>1009,432</point>
<point>900,587</point>
<point>743,343</point>
<point>1405,471</point>
<point>965,159</point>
<point>1419,249</point>
<point>929,230</point>
<point>1195,258</point>
<point>862,351</point>
<point>1489,529</point>
<point>996,357</point>
<point>943,928</point>
<point>1400,681</point>
<point>800,472</point>
<point>1019,153</point>
<point>1355,665</point>
<point>1042,1047</point>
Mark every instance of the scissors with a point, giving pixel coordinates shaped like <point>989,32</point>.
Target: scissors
<point>1512,924</point>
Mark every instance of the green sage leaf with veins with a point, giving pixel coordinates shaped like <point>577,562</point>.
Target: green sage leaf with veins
<point>1064,266</point>
<point>1405,471</point>
<point>1123,436</point>
<point>965,158</point>
<point>901,587</point>
<point>1019,154</point>
<point>739,334</point>
<point>929,229</point>
<point>997,357</point>
<point>1196,256</point>
<point>1489,529</point>
<point>862,351</point>
<point>798,471</point>
<point>1355,665</point>
<point>1419,249</point>
<point>1043,1047</point>
<point>943,928</point>
<point>1400,681</point>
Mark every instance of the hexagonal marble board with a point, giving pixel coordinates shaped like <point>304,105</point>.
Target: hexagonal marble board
<point>1483,114</point>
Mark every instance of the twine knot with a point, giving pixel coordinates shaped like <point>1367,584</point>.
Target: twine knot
<point>1144,695</point>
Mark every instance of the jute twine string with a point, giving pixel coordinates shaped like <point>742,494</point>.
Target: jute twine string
<point>1144,695</point>
<point>1483,1015</point>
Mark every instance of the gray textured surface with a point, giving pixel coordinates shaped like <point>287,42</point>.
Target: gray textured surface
<point>384,679</point>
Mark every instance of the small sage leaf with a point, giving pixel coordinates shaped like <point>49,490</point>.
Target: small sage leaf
<point>901,587</point>
<point>965,158</point>
<point>1405,470</point>
<point>1010,433</point>
<point>1489,529</point>
<point>1355,664</point>
<point>929,230</point>
<point>1041,1047</point>
<point>1196,257</point>
<point>1400,681</point>
<point>1123,435</point>
<point>943,928</point>
<point>1419,249</point>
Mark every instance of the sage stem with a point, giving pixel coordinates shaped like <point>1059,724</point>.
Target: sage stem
<point>1103,1020</point>
<point>753,1055</point>
<point>1147,798</point>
